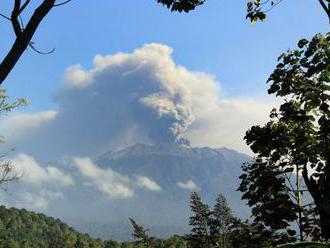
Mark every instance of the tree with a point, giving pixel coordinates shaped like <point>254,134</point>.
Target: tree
<point>200,234</point>
<point>257,9</point>
<point>25,32</point>
<point>181,5</point>
<point>141,234</point>
<point>222,219</point>
<point>264,187</point>
<point>246,235</point>
<point>7,173</point>
<point>297,137</point>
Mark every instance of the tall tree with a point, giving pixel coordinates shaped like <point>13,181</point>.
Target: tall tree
<point>222,219</point>
<point>298,135</point>
<point>200,221</point>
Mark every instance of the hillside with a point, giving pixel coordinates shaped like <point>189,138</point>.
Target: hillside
<point>22,228</point>
<point>25,229</point>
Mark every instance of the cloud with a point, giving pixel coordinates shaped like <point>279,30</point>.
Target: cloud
<point>147,183</point>
<point>142,96</point>
<point>17,124</point>
<point>35,174</point>
<point>189,185</point>
<point>223,123</point>
<point>107,181</point>
<point>32,200</point>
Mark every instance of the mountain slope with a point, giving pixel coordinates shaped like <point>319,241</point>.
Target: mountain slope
<point>213,171</point>
<point>178,171</point>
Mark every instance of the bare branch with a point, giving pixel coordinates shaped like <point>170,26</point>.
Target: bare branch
<point>23,37</point>
<point>24,6</point>
<point>31,45</point>
<point>14,18</point>
<point>326,8</point>
<point>59,4</point>
<point>6,17</point>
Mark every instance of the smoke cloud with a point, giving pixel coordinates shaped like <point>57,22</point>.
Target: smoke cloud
<point>142,96</point>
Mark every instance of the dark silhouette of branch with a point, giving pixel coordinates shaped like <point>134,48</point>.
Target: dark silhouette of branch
<point>31,44</point>
<point>23,36</point>
<point>59,4</point>
<point>4,16</point>
<point>326,8</point>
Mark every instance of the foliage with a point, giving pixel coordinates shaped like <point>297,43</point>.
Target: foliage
<point>306,245</point>
<point>141,234</point>
<point>200,221</point>
<point>8,173</point>
<point>249,235</point>
<point>297,137</point>
<point>263,185</point>
<point>257,9</point>
<point>222,218</point>
<point>25,229</point>
<point>181,5</point>
<point>22,228</point>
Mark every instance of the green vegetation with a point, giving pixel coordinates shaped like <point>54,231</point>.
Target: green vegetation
<point>306,245</point>
<point>22,228</point>
<point>296,139</point>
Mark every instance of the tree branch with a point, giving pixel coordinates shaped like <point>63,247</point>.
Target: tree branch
<point>14,18</point>
<point>23,37</point>
<point>59,4</point>
<point>326,8</point>
<point>24,6</point>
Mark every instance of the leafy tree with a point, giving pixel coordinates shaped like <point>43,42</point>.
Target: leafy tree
<point>111,244</point>
<point>297,137</point>
<point>257,9</point>
<point>181,5</point>
<point>246,235</point>
<point>222,218</point>
<point>175,242</point>
<point>263,185</point>
<point>141,234</point>
<point>200,234</point>
<point>7,172</point>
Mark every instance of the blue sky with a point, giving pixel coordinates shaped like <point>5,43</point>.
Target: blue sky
<point>142,95</point>
<point>215,39</point>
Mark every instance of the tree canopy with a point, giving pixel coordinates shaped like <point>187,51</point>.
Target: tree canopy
<point>297,137</point>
